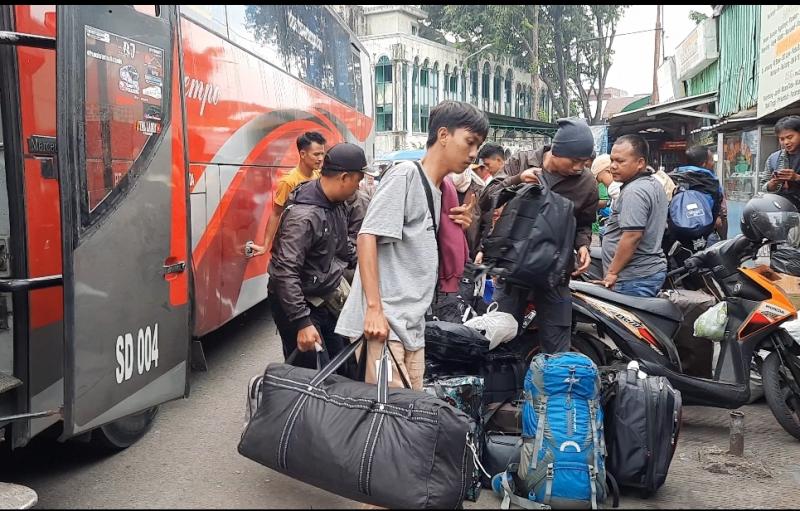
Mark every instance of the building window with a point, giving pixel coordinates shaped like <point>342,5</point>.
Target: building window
<point>415,97</point>
<point>520,102</point>
<point>509,82</point>
<point>383,95</point>
<point>473,78</point>
<point>485,86</point>
<point>413,30</point>
<point>424,97</point>
<point>434,81</point>
<point>447,81</point>
<point>498,88</point>
<point>452,84</point>
<point>464,85</point>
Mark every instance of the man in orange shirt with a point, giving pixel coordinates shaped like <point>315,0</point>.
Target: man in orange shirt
<point>311,146</point>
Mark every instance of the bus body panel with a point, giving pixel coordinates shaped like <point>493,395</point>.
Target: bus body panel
<point>243,115</point>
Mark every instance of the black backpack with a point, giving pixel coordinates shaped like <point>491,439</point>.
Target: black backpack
<point>533,240</point>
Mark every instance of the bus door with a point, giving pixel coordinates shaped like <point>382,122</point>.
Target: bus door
<point>122,177</point>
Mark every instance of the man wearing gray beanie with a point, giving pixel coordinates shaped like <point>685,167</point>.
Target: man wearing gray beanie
<point>561,167</point>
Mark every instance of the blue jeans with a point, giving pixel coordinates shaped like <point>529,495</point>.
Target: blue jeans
<point>644,286</point>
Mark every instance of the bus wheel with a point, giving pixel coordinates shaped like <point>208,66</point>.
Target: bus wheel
<point>124,432</point>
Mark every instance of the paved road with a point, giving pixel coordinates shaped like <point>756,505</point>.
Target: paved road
<point>189,458</point>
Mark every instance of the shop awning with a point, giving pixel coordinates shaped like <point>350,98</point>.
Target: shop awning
<point>733,122</point>
<point>676,107</point>
<point>503,124</point>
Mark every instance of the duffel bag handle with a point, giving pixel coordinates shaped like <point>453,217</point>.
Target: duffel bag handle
<point>383,372</point>
<point>320,363</point>
<point>336,363</point>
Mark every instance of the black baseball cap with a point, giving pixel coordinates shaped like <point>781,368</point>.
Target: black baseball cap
<point>346,157</point>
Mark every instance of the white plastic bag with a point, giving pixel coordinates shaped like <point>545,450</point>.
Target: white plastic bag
<point>711,323</point>
<point>498,327</point>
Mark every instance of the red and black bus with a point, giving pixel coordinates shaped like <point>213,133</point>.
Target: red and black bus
<point>140,149</point>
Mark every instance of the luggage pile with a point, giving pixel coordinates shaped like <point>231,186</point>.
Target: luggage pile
<point>553,432</point>
<point>558,432</point>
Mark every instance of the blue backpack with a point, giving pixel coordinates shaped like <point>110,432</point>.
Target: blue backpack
<point>691,215</point>
<point>562,462</point>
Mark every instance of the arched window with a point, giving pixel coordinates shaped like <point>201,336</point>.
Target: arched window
<point>452,85</point>
<point>527,91</point>
<point>473,79</point>
<point>383,95</point>
<point>463,85</point>
<point>415,96</point>
<point>531,109</point>
<point>508,91</point>
<point>424,97</point>
<point>446,80</point>
<point>498,88</point>
<point>434,82</point>
<point>485,86</point>
<point>519,107</point>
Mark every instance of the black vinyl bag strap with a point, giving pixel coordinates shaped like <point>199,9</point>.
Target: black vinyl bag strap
<point>429,196</point>
<point>293,355</point>
<point>349,351</point>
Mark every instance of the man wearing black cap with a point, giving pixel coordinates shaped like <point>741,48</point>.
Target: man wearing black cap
<point>310,255</point>
<point>560,166</point>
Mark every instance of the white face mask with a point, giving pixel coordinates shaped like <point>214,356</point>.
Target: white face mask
<point>462,181</point>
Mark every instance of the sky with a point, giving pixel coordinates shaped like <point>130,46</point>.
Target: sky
<point>632,67</point>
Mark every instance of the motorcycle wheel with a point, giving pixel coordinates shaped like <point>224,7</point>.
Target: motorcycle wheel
<point>782,400</point>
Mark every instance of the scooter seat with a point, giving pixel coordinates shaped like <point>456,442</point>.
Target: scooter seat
<point>658,306</point>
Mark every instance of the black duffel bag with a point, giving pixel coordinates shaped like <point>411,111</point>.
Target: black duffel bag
<point>394,448</point>
<point>453,344</point>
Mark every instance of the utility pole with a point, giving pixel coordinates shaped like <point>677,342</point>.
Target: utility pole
<point>657,56</point>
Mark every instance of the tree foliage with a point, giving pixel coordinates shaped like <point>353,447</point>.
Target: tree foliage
<point>574,44</point>
<point>697,16</point>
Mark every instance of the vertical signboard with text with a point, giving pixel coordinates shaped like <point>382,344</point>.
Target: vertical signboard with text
<point>779,62</point>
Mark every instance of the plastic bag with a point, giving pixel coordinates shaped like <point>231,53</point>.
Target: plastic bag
<point>498,327</point>
<point>711,324</point>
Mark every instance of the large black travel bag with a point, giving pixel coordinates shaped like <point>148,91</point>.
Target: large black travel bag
<point>394,448</point>
<point>533,240</point>
<point>642,422</point>
<point>453,344</point>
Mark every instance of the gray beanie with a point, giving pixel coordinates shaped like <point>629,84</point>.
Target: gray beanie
<point>573,139</point>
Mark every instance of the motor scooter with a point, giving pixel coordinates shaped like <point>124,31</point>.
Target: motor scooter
<point>629,327</point>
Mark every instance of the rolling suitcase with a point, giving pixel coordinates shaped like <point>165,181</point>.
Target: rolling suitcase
<point>642,423</point>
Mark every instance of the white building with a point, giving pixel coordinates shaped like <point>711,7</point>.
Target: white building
<point>412,74</point>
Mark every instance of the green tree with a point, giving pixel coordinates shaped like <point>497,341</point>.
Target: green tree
<point>697,16</point>
<point>569,45</point>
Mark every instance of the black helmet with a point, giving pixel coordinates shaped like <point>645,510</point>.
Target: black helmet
<point>772,217</point>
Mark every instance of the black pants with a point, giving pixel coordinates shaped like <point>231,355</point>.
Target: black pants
<point>325,322</point>
<point>553,312</point>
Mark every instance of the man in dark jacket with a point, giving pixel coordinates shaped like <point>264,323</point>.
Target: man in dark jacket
<point>562,168</point>
<point>310,254</point>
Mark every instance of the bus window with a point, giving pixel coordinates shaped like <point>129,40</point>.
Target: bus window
<point>355,72</point>
<point>123,108</point>
<point>307,41</point>
<point>213,17</point>
<point>150,10</point>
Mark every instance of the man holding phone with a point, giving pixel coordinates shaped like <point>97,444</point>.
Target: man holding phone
<point>783,166</point>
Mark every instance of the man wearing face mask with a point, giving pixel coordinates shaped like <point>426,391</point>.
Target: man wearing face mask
<point>562,169</point>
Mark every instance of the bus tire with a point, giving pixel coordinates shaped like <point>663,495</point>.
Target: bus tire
<point>124,432</point>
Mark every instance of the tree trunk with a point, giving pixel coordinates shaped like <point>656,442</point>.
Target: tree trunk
<point>535,60</point>
<point>558,42</point>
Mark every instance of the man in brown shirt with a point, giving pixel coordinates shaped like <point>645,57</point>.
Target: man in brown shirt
<point>562,168</point>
